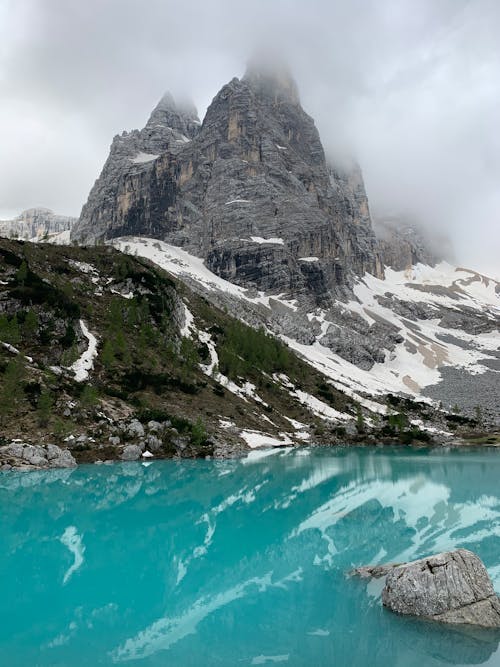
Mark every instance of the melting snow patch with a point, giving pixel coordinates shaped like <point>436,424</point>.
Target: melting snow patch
<point>85,363</point>
<point>188,325</point>
<point>256,439</point>
<point>84,267</point>
<point>273,239</point>
<point>14,350</point>
<point>142,158</point>
<point>308,259</point>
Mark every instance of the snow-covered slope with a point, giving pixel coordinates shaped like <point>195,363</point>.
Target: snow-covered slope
<point>426,320</point>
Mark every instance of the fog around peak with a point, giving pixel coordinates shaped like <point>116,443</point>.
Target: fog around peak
<point>411,90</point>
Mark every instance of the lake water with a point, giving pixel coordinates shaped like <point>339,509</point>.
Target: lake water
<point>238,562</point>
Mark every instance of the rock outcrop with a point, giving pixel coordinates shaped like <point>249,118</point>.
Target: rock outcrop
<point>20,455</point>
<point>451,587</point>
<point>36,224</point>
<point>402,244</point>
<point>250,191</point>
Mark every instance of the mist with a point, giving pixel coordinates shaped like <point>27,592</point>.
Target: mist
<point>411,90</point>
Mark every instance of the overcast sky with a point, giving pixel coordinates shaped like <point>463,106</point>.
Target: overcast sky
<point>411,88</point>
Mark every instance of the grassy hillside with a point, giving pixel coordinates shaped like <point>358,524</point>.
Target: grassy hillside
<point>156,343</point>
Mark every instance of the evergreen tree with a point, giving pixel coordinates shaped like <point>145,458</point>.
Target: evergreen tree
<point>30,325</point>
<point>44,407</point>
<point>11,387</point>
<point>22,273</point>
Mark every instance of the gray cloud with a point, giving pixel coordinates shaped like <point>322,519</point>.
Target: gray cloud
<point>411,89</point>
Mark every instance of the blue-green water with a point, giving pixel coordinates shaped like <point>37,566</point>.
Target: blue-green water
<point>238,563</point>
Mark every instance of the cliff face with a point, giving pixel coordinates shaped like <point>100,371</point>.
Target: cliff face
<point>250,191</point>
<point>402,244</point>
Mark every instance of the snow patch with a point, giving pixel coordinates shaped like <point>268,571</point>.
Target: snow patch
<point>273,240</point>
<point>142,158</point>
<point>85,363</point>
<point>256,439</point>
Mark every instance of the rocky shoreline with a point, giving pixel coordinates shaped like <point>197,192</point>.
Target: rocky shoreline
<point>155,440</point>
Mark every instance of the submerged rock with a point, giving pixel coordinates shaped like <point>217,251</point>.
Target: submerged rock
<point>451,587</point>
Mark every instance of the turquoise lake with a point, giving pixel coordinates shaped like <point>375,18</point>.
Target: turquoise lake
<point>239,562</point>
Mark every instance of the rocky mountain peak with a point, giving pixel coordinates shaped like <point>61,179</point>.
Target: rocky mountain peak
<point>249,191</point>
<point>176,115</point>
<point>272,80</point>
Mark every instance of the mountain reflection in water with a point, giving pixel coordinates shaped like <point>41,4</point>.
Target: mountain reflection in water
<point>239,562</point>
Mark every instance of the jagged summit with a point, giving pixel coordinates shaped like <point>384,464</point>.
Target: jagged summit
<point>177,115</point>
<point>272,79</point>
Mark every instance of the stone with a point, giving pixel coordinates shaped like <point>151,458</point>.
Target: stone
<point>35,455</point>
<point>135,429</point>
<point>14,449</point>
<point>153,443</point>
<point>64,459</point>
<point>131,453</point>
<point>114,440</point>
<point>154,426</point>
<point>53,451</point>
<point>452,587</point>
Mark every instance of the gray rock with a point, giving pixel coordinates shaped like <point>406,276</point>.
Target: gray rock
<point>402,244</point>
<point>114,440</point>
<point>180,442</point>
<point>35,455</point>
<point>153,443</point>
<point>14,449</point>
<point>135,429</point>
<point>451,587</point>
<point>64,459</point>
<point>53,451</point>
<point>131,453</point>
<point>154,427</point>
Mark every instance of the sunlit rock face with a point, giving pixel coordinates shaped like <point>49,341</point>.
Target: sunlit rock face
<point>250,191</point>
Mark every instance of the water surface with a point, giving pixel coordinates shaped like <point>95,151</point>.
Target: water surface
<point>240,562</point>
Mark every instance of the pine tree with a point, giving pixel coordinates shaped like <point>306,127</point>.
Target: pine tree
<point>22,273</point>
<point>11,387</point>
<point>44,407</point>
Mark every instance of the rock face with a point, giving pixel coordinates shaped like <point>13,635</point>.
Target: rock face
<point>250,191</point>
<point>402,244</point>
<point>35,223</point>
<point>451,587</point>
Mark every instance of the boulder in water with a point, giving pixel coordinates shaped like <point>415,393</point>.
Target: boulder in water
<point>451,587</point>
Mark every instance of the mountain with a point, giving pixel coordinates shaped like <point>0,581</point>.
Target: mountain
<point>249,191</point>
<point>246,210</point>
<point>38,223</point>
<point>105,356</point>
